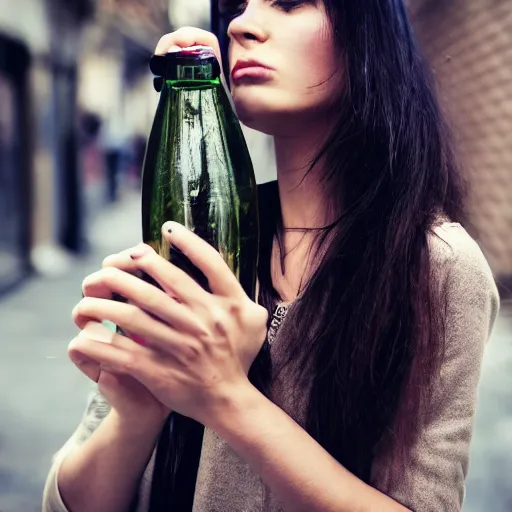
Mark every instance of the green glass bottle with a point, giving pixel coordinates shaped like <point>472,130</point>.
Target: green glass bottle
<point>197,169</point>
<point>197,172</point>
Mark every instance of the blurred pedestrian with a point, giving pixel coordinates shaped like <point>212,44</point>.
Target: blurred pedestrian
<point>115,145</point>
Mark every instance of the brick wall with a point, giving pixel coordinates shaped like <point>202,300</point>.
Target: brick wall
<point>469,45</point>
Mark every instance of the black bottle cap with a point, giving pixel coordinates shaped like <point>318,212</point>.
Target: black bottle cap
<point>193,63</point>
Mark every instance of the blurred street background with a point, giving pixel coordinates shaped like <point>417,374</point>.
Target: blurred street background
<point>76,106</point>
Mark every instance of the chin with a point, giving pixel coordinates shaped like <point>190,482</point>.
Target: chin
<point>262,112</point>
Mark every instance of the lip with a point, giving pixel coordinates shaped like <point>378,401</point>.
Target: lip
<point>249,68</point>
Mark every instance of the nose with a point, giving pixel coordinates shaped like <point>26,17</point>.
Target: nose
<point>246,28</point>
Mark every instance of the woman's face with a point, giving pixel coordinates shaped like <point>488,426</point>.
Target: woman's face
<point>295,76</point>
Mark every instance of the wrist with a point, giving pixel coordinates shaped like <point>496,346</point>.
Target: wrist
<point>131,429</point>
<point>236,406</point>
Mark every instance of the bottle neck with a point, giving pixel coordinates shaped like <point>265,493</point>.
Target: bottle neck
<point>193,84</point>
<point>192,68</point>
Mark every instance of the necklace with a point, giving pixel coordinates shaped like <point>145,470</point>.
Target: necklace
<point>307,229</point>
<point>323,228</point>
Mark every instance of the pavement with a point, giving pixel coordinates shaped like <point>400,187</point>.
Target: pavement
<point>43,395</point>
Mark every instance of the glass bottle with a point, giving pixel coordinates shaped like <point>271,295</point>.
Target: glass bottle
<point>197,169</point>
<point>197,172</point>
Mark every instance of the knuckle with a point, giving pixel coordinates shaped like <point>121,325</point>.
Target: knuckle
<point>235,308</point>
<point>74,313</point>
<point>191,352</point>
<point>73,345</point>
<point>187,35</point>
<point>205,338</point>
<point>187,30</point>
<point>74,349</point>
<point>162,43</point>
<point>83,307</point>
<point>130,316</point>
<point>156,303</point>
<point>107,262</point>
<point>218,315</point>
<point>257,317</point>
<point>217,264</point>
<point>87,283</point>
<point>255,313</point>
<point>264,317</point>
<point>109,275</point>
<point>106,276</point>
<point>148,262</point>
<point>130,363</point>
<point>203,334</point>
<point>181,37</point>
<point>262,314</point>
<point>222,323</point>
<point>135,315</point>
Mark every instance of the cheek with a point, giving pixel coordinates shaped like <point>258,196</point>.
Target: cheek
<point>312,61</point>
<point>312,48</point>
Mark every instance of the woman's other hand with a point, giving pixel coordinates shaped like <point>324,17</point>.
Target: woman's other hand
<point>191,348</point>
<point>130,399</point>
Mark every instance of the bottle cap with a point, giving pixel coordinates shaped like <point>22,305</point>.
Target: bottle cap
<point>191,63</point>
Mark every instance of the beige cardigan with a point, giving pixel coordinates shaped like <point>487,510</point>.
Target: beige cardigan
<point>437,465</point>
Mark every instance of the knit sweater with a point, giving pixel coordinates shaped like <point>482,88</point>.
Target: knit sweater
<point>437,464</point>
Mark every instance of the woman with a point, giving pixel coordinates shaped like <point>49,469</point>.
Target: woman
<point>378,302</point>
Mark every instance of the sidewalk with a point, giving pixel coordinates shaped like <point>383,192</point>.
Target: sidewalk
<point>43,394</point>
<point>489,483</point>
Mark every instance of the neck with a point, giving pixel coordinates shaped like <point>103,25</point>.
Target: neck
<point>303,197</point>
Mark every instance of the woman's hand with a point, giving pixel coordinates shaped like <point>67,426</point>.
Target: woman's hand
<point>193,349</point>
<point>130,399</point>
<point>188,36</point>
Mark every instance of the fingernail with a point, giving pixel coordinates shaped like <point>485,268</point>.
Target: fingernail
<point>139,251</point>
<point>138,340</point>
<point>97,332</point>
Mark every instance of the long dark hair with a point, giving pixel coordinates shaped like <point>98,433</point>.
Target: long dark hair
<point>378,340</point>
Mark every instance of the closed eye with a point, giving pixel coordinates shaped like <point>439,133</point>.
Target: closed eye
<point>230,9</point>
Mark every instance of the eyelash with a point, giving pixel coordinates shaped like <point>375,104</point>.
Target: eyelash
<point>235,9</point>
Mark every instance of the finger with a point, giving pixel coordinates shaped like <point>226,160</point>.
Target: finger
<point>156,302</point>
<point>166,44</point>
<point>125,255</point>
<point>95,288</point>
<point>93,332</point>
<point>115,352</point>
<point>87,366</point>
<point>133,321</point>
<point>221,279</point>
<point>188,36</point>
<point>173,281</point>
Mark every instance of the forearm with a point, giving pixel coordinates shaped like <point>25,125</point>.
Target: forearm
<point>302,475</point>
<point>103,474</point>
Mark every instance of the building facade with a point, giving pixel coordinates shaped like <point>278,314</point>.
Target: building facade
<point>469,46</point>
